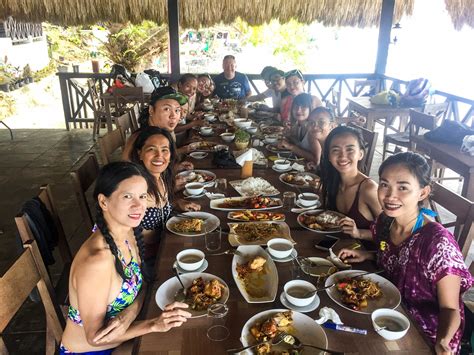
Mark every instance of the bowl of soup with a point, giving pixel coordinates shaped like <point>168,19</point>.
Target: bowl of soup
<point>298,292</point>
<point>190,259</point>
<point>390,324</point>
<point>279,248</point>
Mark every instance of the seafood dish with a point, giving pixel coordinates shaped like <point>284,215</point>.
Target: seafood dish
<point>201,294</point>
<point>355,292</point>
<point>247,215</point>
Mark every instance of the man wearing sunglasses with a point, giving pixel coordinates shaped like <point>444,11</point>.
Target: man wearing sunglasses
<point>231,84</point>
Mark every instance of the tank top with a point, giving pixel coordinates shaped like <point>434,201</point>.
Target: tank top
<point>354,213</point>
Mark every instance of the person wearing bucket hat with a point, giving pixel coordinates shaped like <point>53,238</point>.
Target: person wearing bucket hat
<point>275,83</point>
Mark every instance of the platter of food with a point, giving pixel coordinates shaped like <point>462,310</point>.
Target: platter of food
<point>246,203</point>
<point>202,290</point>
<point>204,146</point>
<point>254,186</point>
<point>300,179</point>
<point>207,178</point>
<point>322,221</point>
<point>363,294</point>
<point>193,225</point>
<point>266,325</point>
<point>250,216</point>
<point>271,129</point>
<point>275,149</point>
<point>255,274</point>
<point>257,233</point>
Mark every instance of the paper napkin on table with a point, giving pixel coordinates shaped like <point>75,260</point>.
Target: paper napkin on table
<point>298,167</point>
<point>213,195</point>
<point>246,156</point>
<point>326,314</point>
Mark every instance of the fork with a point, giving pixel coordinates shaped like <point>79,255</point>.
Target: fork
<point>227,252</point>
<point>275,341</point>
<point>296,344</point>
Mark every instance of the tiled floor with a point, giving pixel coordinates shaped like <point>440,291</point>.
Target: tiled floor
<point>37,157</point>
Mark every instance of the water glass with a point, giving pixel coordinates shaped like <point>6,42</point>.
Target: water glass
<point>217,330</point>
<point>289,200</point>
<point>221,185</point>
<point>213,240</point>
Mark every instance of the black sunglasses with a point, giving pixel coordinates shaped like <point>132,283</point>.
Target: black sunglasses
<point>294,72</point>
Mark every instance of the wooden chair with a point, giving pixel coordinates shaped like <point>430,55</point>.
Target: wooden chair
<point>134,115</point>
<point>100,114</point>
<point>109,143</point>
<point>419,123</point>
<point>82,179</point>
<point>372,84</point>
<point>26,273</point>
<point>439,111</point>
<point>124,124</point>
<point>333,102</point>
<point>27,230</point>
<point>370,139</point>
<point>461,208</point>
<point>125,98</point>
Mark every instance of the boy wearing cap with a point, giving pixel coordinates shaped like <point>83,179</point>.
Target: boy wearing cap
<point>231,84</point>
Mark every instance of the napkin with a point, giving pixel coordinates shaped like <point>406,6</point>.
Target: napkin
<point>337,261</point>
<point>298,167</point>
<point>213,195</point>
<point>246,156</point>
<point>326,314</point>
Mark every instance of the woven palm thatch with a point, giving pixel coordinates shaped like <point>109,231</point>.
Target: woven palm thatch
<point>201,13</point>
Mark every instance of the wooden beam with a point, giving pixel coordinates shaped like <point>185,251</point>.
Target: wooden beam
<point>173,28</point>
<point>385,27</point>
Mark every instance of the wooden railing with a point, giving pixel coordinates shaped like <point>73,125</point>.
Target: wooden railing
<point>334,88</point>
<point>20,31</point>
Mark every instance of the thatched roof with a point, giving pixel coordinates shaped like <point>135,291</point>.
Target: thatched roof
<point>202,13</point>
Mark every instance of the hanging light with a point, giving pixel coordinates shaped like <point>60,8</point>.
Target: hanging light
<point>397,27</point>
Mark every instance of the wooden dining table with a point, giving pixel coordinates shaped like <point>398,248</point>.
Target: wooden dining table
<point>373,112</point>
<point>191,337</point>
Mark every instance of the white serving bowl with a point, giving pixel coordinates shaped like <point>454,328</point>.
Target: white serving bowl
<point>308,199</point>
<point>295,291</point>
<point>206,130</point>
<point>282,164</point>
<point>386,317</point>
<point>252,130</point>
<point>279,248</point>
<point>194,188</point>
<point>210,117</point>
<point>271,138</point>
<point>242,122</point>
<point>227,137</point>
<point>190,259</point>
<point>198,155</point>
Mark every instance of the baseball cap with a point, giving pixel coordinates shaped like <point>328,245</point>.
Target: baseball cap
<point>275,71</point>
<point>167,92</point>
<point>265,74</point>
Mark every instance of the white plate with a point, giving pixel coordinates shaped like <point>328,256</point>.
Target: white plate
<point>305,185</point>
<point>208,183</point>
<point>185,193</point>
<point>281,171</point>
<point>214,204</point>
<point>390,299</point>
<point>305,329</point>
<point>316,212</point>
<point>316,261</point>
<point>198,155</point>
<point>167,291</point>
<point>206,134</point>
<point>272,148</point>
<point>269,191</point>
<point>211,222</point>
<point>316,205</point>
<point>203,267</point>
<point>269,278</point>
<point>290,257</point>
<point>309,308</point>
<point>236,240</point>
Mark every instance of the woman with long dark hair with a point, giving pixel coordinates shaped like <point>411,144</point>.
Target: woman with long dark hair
<point>419,255</point>
<point>106,279</point>
<point>344,188</point>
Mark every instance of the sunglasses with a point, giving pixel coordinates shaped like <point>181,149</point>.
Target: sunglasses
<point>294,72</point>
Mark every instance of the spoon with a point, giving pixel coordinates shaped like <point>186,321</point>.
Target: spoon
<point>181,293</point>
<point>275,341</point>
<point>296,343</point>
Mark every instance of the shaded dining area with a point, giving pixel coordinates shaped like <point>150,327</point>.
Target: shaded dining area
<point>218,230</point>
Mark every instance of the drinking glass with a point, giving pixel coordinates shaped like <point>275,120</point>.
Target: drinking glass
<point>213,240</point>
<point>217,313</point>
<point>289,200</point>
<point>221,185</point>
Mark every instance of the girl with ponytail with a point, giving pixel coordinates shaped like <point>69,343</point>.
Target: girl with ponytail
<point>419,256</point>
<point>106,289</point>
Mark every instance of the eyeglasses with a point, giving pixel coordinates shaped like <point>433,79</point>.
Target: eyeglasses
<point>294,72</point>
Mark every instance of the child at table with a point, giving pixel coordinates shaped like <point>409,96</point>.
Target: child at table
<point>419,256</point>
<point>106,278</point>
<point>344,188</point>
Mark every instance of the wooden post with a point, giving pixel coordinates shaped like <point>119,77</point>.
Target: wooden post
<point>385,27</point>
<point>173,28</point>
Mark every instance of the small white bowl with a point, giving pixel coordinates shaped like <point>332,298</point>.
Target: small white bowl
<point>206,130</point>
<point>194,188</point>
<point>198,155</point>
<point>279,248</point>
<point>282,164</point>
<point>228,137</point>
<point>242,122</point>
<point>252,130</point>
<point>390,319</point>
<point>308,199</point>
<point>295,291</point>
<point>271,138</point>
<point>210,117</point>
<point>190,259</point>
